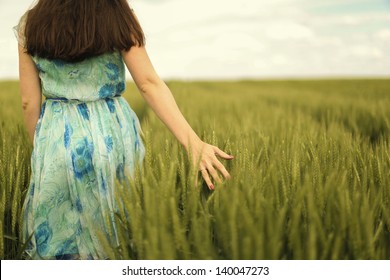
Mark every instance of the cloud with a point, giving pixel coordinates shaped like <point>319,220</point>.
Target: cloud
<point>261,39</point>
<point>251,38</point>
<point>285,30</point>
<point>383,34</point>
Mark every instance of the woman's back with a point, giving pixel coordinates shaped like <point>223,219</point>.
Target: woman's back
<point>91,79</point>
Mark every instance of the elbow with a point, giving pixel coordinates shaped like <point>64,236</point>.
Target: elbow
<point>25,104</point>
<point>29,104</point>
<point>150,85</point>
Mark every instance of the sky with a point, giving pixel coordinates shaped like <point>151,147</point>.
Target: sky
<point>254,39</point>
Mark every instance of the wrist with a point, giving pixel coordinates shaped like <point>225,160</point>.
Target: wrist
<point>192,142</point>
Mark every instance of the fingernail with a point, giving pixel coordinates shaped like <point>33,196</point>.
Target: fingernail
<point>212,187</point>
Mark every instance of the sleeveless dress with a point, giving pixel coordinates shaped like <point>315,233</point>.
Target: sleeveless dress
<point>87,136</point>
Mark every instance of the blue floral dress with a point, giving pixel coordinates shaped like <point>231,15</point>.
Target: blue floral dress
<point>87,136</point>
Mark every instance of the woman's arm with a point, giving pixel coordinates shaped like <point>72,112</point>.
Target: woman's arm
<point>160,99</point>
<point>30,89</point>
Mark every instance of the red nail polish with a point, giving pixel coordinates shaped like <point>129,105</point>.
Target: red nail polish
<point>212,187</point>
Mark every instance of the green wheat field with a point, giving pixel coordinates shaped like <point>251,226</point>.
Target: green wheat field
<point>310,178</point>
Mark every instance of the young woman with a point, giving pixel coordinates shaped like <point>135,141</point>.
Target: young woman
<point>85,135</point>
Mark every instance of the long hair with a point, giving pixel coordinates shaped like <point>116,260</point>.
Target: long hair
<point>73,30</point>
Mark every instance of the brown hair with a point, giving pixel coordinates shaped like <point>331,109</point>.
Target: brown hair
<point>73,30</point>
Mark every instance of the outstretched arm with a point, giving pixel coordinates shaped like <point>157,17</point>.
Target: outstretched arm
<point>30,90</point>
<point>160,99</point>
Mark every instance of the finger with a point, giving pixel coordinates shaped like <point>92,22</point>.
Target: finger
<point>214,173</point>
<point>199,172</point>
<point>206,177</point>
<point>222,169</point>
<point>223,154</point>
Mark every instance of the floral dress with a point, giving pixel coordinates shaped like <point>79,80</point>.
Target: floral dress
<point>87,136</point>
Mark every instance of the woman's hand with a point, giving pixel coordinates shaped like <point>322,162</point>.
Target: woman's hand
<point>208,163</point>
